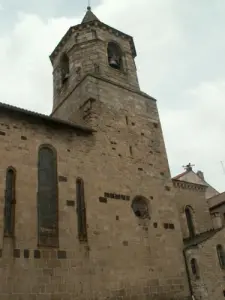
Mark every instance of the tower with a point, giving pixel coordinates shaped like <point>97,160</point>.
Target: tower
<point>129,192</point>
<point>89,52</point>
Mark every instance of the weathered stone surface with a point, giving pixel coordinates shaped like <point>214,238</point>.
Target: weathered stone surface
<point>125,257</point>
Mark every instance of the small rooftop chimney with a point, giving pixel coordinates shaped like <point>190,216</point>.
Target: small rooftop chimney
<point>201,175</point>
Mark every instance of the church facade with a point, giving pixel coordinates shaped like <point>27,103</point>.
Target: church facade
<point>88,209</point>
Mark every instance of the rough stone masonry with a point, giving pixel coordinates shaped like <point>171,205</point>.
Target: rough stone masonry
<point>86,196</point>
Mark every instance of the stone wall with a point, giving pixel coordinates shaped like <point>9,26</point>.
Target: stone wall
<point>192,195</point>
<point>125,256</point>
<point>218,209</point>
<point>210,284</point>
<point>87,51</point>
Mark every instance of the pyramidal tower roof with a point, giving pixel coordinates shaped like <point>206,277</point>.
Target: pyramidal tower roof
<point>89,16</point>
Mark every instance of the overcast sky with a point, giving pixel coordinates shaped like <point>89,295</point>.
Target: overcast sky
<point>181,62</point>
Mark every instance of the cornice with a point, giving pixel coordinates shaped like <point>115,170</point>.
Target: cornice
<point>188,185</point>
<point>95,23</point>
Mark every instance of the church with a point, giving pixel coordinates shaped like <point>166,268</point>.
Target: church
<point>88,208</point>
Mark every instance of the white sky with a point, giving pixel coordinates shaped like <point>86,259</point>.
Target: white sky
<point>181,62</point>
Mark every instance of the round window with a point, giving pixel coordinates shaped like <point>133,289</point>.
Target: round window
<point>140,207</point>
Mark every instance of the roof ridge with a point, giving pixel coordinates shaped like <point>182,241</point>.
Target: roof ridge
<point>180,175</point>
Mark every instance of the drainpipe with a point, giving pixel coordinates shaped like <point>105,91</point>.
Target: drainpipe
<point>188,275</point>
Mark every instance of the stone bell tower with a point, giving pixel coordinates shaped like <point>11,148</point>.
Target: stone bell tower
<point>89,52</point>
<point>96,84</point>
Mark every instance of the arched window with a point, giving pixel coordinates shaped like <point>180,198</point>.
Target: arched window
<point>221,255</point>
<point>194,268</point>
<point>47,197</point>
<point>189,218</point>
<point>140,207</point>
<point>81,211</point>
<point>64,67</point>
<point>115,56</point>
<point>10,201</point>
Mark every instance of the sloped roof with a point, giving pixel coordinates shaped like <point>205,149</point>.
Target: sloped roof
<point>180,175</point>
<point>89,16</point>
<point>24,113</point>
<point>200,238</point>
<point>191,177</point>
<point>216,201</point>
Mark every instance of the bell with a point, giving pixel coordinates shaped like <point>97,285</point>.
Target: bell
<point>113,63</point>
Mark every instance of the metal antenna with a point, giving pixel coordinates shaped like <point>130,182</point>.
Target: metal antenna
<point>89,3</point>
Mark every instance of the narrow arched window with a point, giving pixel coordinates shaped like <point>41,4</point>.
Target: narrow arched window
<point>115,56</point>
<point>47,197</point>
<point>140,207</point>
<point>221,255</point>
<point>190,223</point>
<point>64,67</point>
<point>10,201</point>
<point>194,268</point>
<point>81,211</point>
